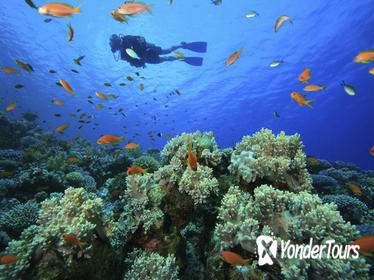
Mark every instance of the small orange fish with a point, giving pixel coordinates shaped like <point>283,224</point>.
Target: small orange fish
<point>87,154</point>
<point>312,160</point>
<point>130,8</point>
<point>58,10</point>
<point>69,143</point>
<point>117,16</point>
<point>299,99</point>
<point>24,66</point>
<point>82,115</point>
<point>67,87</point>
<point>371,71</point>
<point>179,55</point>
<point>11,107</point>
<point>101,95</point>
<point>58,102</point>
<point>131,146</point>
<point>72,160</point>
<point>233,258</point>
<point>141,86</point>
<point>61,128</point>
<point>113,96</point>
<point>76,138</point>
<point>314,88</point>
<point>71,32</point>
<point>168,136</point>
<point>9,259</point>
<point>305,76</point>
<point>366,244</point>
<point>354,188</point>
<point>26,154</point>
<point>233,57</point>
<point>99,106</point>
<point>192,159</point>
<point>280,21</point>
<point>135,170</point>
<point>109,140</point>
<point>372,151</point>
<point>9,70</point>
<point>72,239</point>
<point>364,57</point>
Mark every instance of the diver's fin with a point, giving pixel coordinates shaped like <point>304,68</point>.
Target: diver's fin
<point>195,46</point>
<point>195,61</point>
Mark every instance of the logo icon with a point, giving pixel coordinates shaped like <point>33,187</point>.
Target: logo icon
<point>262,249</point>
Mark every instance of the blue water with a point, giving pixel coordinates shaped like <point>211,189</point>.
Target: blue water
<point>237,100</point>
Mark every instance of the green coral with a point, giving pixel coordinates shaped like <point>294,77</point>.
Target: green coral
<point>147,162</point>
<point>151,266</point>
<point>279,160</point>
<point>289,216</point>
<point>75,179</point>
<point>76,213</point>
<point>57,163</point>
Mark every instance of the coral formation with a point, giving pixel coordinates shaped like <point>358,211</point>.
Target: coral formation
<point>278,159</point>
<point>151,266</point>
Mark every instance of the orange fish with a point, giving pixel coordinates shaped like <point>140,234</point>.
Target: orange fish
<point>299,99</point>
<point>366,244</point>
<point>99,106</point>
<point>354,188</point>
<point>24,66</point>
<point>26,154</point>
<point>101,95</point>
<point>372,151</point>
<point>5,174</point>
<point>135,170</point>
<point>179,55</point>
<point>72,239</point>
<point>364,57</point>
<point>9,259</point>
<point>233,57</point>
<point>233,258</point>
<point>61,128</point>
<point>67,87</point>
<point>11,107</point>
<point>131,146</point>
<point>312,160</point>
<point>192,159</point>
<point>305,76</point>
<point>113,96</point>
<point>9,70</point>
<point>58,10</point>
<point>117,16</point>
<point>168,136</point>
<point>314,88</point>
<point>72,160</point>
<point>107,140</point>
<point>371,71</point>
<point>58,102</point>
<point>71,32</point>
<point>82,115</point>
<point>280,21</point>
<point>130,8</point>
<point>141,86</point>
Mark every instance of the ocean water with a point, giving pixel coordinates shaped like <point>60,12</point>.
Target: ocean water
<point>230,101</point>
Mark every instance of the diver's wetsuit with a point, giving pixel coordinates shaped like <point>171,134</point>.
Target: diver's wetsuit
<point>148,53</point>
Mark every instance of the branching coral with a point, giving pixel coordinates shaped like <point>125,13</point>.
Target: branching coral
<point>278,159</point>
<point>151,266</point>
<point>289,216</point>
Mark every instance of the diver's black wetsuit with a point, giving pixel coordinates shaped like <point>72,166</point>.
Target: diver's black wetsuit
<point>148,53</point>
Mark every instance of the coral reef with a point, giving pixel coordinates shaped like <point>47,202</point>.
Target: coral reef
<point>280,160</point>
<point>151,266</point>
<point>147,162</point>
<point>289,216</point>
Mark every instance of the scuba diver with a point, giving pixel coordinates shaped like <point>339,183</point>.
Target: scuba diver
<point>136,51</point>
